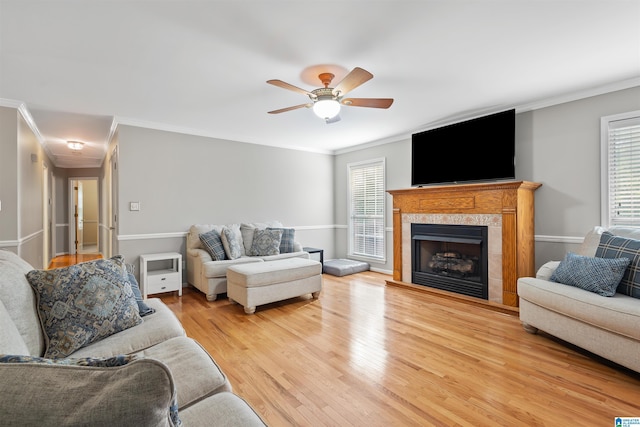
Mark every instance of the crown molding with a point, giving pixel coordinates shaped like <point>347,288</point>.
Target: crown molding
<point>522,108</point>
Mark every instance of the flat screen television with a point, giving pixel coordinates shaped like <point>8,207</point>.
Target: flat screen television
<point>476,150</point>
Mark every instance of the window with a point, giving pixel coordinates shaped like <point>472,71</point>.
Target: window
<point>621,169</point>
<point>366,209</point>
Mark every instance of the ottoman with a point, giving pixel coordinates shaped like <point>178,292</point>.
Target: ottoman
<point>260,283</point>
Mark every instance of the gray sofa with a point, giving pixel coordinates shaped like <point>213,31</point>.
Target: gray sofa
<point>606,326</point>
<point>149,374</point>
<point>209,275</point>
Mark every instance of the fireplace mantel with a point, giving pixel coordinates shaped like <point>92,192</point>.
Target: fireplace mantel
<point>512,202</point>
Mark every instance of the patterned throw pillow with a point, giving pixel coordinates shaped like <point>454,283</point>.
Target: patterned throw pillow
<point>599,275</point>
<point>266,242</point>
<point>100,362</point>
<point>83,303</point>
<point>232,242</point>
<point>622,247</point>
<point>288,237</point>
<point>213,244</point>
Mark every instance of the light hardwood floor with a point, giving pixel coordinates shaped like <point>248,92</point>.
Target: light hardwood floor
<point>366,354</point>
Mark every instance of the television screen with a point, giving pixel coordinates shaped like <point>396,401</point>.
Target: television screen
<point>480,149</point>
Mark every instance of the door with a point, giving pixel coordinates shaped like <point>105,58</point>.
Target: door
<point>83,219</point>
<point>113,205</point>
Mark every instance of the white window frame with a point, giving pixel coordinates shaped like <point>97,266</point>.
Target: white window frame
<point>608,218</point>
<point>380,256</point>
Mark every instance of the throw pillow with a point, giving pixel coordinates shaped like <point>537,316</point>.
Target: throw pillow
<point>288,238</point>
<point>213,244</point>
<point>83,303</point>
<point>599,275</point>
<point>623,247</point>
<point>247,230</point>
<point>266,242</point>
<point>143,308</point>
<point>232,242</point>
<point>100,362</point>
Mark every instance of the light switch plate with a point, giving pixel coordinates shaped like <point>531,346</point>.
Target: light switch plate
<point>134,206</point>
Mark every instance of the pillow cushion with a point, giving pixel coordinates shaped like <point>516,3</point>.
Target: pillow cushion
<point>288,238</point>
<point>247,230</point>
<point>599,275</point>
<point>83,303</point>
<point>101,362</point>
<point>623,247</point>
<point>266,242</point>
<point>232,242</point>
<point>213,244</point>
<point>143,308</point>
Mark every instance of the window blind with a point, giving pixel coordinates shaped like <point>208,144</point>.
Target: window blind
<point>624,171</point>
<point>367,197</point>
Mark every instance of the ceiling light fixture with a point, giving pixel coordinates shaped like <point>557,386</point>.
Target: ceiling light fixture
<point>326,108</point>
<point>75,145</point>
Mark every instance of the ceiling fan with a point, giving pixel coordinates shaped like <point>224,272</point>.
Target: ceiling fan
<point>326,100</point>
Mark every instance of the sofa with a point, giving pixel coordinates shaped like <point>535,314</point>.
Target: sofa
<point>79,346</point>
<point>592,297</point>
<point>211,249</point>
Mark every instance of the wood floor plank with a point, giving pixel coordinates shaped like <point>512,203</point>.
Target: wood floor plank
<point>368,354</point>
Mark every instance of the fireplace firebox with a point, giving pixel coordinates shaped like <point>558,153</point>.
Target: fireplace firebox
<point>450,257</point>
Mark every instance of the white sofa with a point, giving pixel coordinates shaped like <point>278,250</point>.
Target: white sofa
<point>606,326</point>
<point>94,383</point>
<point>209,275</point>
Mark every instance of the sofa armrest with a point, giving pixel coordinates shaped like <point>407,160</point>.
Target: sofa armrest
<point>200,254</point>
<point>297,247</point>
<point>547,270</point>
<point>142,392</point>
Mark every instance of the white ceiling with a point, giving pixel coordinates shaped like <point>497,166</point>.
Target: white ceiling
<point>201,67</point>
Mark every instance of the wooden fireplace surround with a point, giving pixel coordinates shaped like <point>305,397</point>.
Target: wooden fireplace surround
<point>513,200</point>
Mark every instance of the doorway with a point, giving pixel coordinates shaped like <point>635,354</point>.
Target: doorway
<point>83,216</point>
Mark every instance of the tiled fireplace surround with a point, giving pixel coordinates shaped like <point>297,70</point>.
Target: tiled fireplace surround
<point>506,208</point>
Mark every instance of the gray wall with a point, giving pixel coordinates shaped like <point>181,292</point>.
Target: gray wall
<point>8,178</point>
<point>558,146</point>
<point>21,188</point>
<point>180,180</point>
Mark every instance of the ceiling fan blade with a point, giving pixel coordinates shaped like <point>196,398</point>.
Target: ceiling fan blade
<point>285,85</point>
<point>355,78</point>
<point>295,107</point>
<point>368,102</point>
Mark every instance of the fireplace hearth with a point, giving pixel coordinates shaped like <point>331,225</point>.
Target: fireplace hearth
<point>451,257</point>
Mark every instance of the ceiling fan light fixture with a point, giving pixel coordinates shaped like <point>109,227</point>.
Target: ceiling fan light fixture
<point>326,108</point>
<point>75,145</point>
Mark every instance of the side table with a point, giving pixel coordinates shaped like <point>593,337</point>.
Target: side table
<point>315,253</point>
<point>165,279</point>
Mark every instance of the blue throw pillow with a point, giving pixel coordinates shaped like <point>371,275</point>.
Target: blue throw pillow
<point>213,245</point>
<point>142,306</point>
<point>622,247</point>
<point>599,275</point>
<point>83,303</point>
<point>288,237</point>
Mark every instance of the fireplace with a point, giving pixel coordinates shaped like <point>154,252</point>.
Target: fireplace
<point>450,257</point>
<point>505,208</point>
